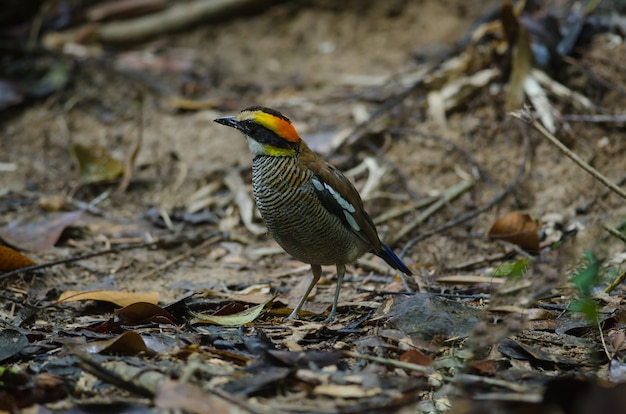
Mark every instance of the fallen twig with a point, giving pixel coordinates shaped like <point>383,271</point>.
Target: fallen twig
<point>622,276</point>
<point>392,362</point>
<point>387,106</point>
<point>400,211</point>
<point>447,196</point>
<point>477,379</point>
<point>146,382</point>
<point>525,116</point>
<point>470,215</point>
<point>180,15</point>
<point>196,250</point>
<point>596,118</point>
<point>614,232</point>
<point>87,364</point>
<point>585,207</point>
<point>476,169</point>
<point>615,283</point>
<point>129,163</point>
<point>157,243</point>
<point>110,10</point>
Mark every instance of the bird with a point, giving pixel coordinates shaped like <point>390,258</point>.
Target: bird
<point>309,207</point>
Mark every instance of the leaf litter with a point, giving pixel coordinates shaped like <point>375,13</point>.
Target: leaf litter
<point>519,293</point>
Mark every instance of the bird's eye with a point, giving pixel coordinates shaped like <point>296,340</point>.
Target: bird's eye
<point>249,125</point>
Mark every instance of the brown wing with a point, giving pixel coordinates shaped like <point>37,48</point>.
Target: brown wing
<point>339,196</point>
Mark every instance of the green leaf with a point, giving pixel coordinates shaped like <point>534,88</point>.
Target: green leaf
<point>95,164</point>
<point>587,277</point>
<point>515,269</point>
<point>586,306</point>
<point>235,319</point>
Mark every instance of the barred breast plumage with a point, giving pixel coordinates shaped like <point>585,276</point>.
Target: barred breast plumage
<point>291,210</point>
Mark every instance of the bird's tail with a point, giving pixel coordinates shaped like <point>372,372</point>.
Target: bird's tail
<point>393,260</point>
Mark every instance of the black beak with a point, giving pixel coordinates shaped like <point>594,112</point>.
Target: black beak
<point>228,121</point>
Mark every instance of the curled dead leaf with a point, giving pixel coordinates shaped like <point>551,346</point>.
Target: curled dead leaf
<point>127,343</point>
<point>143,312</point>
<point>117,297</point>
<point>517,228</point>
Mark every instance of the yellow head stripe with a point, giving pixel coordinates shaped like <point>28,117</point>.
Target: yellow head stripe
<point>282,128</point>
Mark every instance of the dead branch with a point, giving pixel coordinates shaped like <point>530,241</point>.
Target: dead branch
<point>447,196</point>
<point>158,243</point>
<point>470,215</point>
<point>179,16</point>
<point>525,116</point>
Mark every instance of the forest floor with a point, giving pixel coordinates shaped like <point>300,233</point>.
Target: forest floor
<point>172,295</point>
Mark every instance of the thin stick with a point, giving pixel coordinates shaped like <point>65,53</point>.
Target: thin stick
<point>477,379</point>
<point>585,207</point>
<point>386,107</point>
<point>614,232</point>
<point>196,250</point>
<point>615,283</point>
<point>162,242</point>
<point>87,364</point>
<point>400,211</point>
<point>447,196</point>
<point>470,215</point>
<point>476,172</point>
<point>476,169</point>
<point>596,118</point>
<point>75,259</point>
<point>606,349</point>
<point>525,116</point>
<point>135,147</point>
<point>391,362</point>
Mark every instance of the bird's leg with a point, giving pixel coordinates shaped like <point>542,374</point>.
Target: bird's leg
<point>341,271</point>
<point>317,273</point>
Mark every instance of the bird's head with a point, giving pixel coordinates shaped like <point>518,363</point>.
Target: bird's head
<point>268,132</point>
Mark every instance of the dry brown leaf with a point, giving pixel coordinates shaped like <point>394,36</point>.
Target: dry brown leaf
<point>192,399</point>
<point>117,297</point>
<point>143,312</point>
<point>517,228</point>
<point>415,356</point>
<point>346,391</point>
<point>11,259</point>
<point>128,343</point>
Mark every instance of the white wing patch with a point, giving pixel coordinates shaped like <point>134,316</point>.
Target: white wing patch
<point>347,207</point>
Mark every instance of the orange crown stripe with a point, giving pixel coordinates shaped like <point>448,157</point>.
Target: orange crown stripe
<point>283,128</point>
